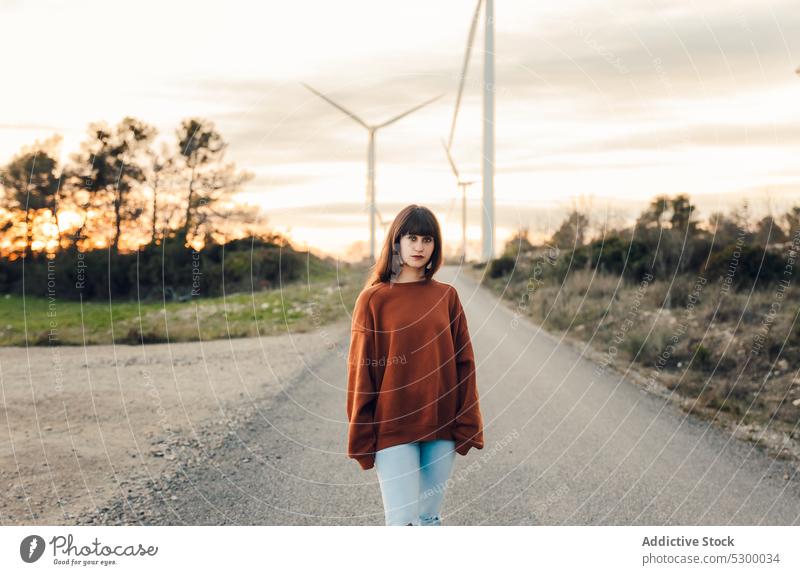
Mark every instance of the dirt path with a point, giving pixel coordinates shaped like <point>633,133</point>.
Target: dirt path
<point>80,427</point>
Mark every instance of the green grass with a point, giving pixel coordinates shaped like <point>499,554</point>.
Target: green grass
<point>297,307</point>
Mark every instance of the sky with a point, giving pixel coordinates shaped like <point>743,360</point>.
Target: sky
<point>600,105</point>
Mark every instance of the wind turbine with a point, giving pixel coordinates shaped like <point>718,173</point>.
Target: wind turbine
<point>371,155</point>
<point>447,145</point>
<point>463,185</point>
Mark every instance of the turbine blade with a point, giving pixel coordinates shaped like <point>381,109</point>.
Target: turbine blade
<point>450,159</point>
<point>404,114</point>
<point>470,40</point>
<point>335,105</point>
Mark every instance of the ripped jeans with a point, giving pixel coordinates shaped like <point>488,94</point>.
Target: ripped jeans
<point>413,478</point>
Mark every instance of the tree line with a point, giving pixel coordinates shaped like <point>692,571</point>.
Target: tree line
<point>117,188</point>
<point>123,220</point>
<point>667,238</point>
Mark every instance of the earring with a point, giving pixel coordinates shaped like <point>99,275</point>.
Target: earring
<point>397,260</point>
<point>427,267</point>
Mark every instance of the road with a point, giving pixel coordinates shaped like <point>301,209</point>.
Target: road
<point>564,445</point>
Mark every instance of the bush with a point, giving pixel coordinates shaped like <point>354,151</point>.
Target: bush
<point>616,255</point>
<point>168,271</point>
<point>752,267</point>
<point>501,266</point>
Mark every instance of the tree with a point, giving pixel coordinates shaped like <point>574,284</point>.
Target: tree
<point>111,165</point>
<point>572,232</point>
<point>210,182</point>
<point>215,208</point>
<point>651,217</point>
<point>742,220</point>
<point>682,212</point>
<point>200,146</point>
<point>768,231</point>
<point>162,168</point>
<point>792,219</point>
<point>31,185</point>
<point>724,228</point>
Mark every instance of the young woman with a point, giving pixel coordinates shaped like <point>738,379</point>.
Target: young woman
<point>412,400</point>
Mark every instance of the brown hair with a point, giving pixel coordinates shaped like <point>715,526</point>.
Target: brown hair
<point>416,220</point>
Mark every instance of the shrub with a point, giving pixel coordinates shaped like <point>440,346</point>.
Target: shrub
<point>501,266</point>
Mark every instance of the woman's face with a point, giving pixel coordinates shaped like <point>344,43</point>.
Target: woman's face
<point>412,246</point>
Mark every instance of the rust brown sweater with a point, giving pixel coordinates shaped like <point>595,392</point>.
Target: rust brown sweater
<point>411,370</point>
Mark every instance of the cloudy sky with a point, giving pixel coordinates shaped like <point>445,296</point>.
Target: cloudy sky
<point>600,104</point>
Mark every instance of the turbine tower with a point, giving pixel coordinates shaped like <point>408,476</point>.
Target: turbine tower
<point>463,185</point>
<point>488,134</point>
<point>371,156</point>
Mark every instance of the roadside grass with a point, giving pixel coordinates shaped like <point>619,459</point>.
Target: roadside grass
<point>295,307</point>
<point>728,356</point>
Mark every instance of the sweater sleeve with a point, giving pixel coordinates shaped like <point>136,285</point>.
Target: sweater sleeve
<point>361,388</point>
<point>468,428</point>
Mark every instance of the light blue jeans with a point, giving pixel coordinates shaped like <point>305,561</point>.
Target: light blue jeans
<point>413,477</point>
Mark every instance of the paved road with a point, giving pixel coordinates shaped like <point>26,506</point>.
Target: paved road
<point>564,446</point>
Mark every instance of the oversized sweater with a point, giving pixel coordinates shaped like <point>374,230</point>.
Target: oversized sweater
<point>411,370</point>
